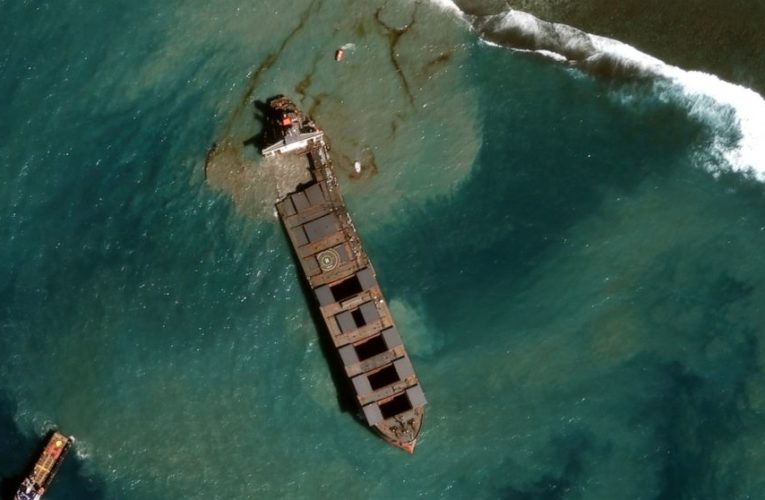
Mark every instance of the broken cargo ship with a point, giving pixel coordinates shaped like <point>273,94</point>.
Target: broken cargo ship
<point>34,486</point>
<point>343,282</point>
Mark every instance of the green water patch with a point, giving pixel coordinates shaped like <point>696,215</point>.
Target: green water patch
<point>398,84</point>
<point>593,298</point>
<point>554,147</point>
<point>580,301</point>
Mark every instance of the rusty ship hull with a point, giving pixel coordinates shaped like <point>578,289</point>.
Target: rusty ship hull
<point>344,284</point>
<point>36,484</point>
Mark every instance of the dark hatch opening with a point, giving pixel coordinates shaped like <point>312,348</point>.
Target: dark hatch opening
<point>397,405</point>
<point>384,377</point>
<point>346,289</point>
<point>371,347</point>
<point>358,318</point>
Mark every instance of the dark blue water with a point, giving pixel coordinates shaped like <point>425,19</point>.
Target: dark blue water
<point>581,298</point>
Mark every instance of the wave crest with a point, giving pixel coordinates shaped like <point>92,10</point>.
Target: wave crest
<point>736,114</point>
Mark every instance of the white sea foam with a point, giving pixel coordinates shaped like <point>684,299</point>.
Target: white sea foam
<point>720,104</point>
<point>552,55</point>
<point>82,450</point>
<point>736,114</point>
<point>490,43</point>
<point>544,53</point>
<point>448,6</point>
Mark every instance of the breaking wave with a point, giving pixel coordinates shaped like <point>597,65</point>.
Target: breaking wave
<point>736,114</point>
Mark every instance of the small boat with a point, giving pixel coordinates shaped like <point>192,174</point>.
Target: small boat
<point>35,484</point>
<point>339,55</point>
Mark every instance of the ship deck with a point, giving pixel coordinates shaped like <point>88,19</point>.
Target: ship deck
<point>352,305</point>
<point>46,465</point>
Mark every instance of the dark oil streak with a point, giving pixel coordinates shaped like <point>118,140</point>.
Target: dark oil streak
<point>432,66</point>
<point>394,36</point>
<point>318,100</point>
<point>394,122</point>
<point>267,63</point>
<point>302,86</point>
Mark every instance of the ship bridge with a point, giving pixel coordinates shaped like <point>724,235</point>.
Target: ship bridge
<point>293,143</point>
<point>296,133</point>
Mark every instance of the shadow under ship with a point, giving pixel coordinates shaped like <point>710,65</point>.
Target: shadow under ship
<point>343,282</point>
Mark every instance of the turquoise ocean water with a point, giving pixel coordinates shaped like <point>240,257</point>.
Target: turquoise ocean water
<point>574,264</point>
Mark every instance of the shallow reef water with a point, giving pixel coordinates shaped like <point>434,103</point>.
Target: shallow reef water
<point>574,261</point>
